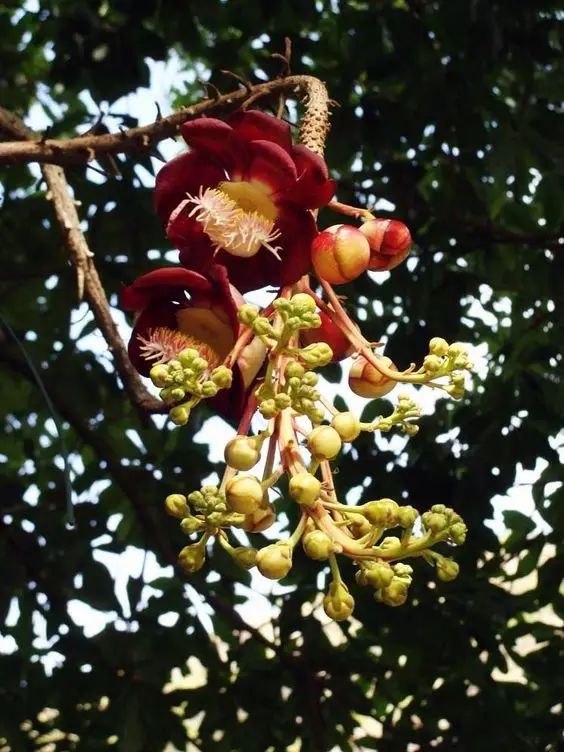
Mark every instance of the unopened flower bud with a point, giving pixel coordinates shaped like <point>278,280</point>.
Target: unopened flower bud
<point>179,415</point>
<point>282,401</point>
<point>331,334</point>
<point>347,426</point>
<point>262,326</point>
<point>159,375</point>
<point>407,516</point>
<point>438,346</point>
<point>382,513</point>
<point>458,532</point>
<point>359,525</point>
<point>340,254</point>
<point>338,604</point>
<point>187,356</point>
<point>456,349</point>
<point>177,506</point>
<point>389,242</point>
<point>305,488</point>
<point>261,519</point>
<point>367,381</point>
<point>310,378</point>
<point>192,525</point>
<point>243,493</point>
<point>275,561</point>
<point>435,522</point>
<point>395,594</point>
<point>247,313</point>
<point>432,363</point>
<point>191,558</point>
<point>303,303</point>
<point>245,556</point>
<point>318,545</point>
<point>317,355</point>
<point>324,443</point>
<point>222,376</point>
<point>447,569</point>
<point>294,370</point>
<point>209,389</point>
<point>376,574</point>
<point>241,453</point>
<point>268,408</point>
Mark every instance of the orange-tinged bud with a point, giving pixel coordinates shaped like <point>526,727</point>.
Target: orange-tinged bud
<point>340,254</point>
<point>347,426</point>
<point>241,453</point>
<point>305,488</point>
<point>275,561</point>
<point>259,520</point>
<point>389,240</point>
<point>324,443</point>
<point>243,494</point>
<point>367,381</point>
<point>331,334</point>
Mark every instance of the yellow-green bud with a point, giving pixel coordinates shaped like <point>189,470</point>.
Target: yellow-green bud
<point>282,401</point>
<point>176,394</point>
<point>310,378</point>
<point>179,415</point>
<point>261,326</point>
<point>395,594</point>
<point>438,346</point>
<point>403,571</point>
<point>318,545</point>
<point>359,525</point>
<point>382,513</point>
<point>245,556</point>
<point>244,494</point>
<point>377,574</point>
<point>241,453</point>
<point>458,533</point>
<point>318,354</point>
<point>305,488</point>
<point>159,375</point>
<point>177,506</point>
<point>268,409</point>
<point>447,569</point>
<point>275,561</point>
<point>261,519</point>
<point>191,558</point>
<point>390,543</point>
<point>347,426</point>
<point>457,349</point>
<point>302,302</point>
<point>174,365</point>
<point>187,356</point>
<point>222,376</point>
<point>338,604</point>
<point>191,525</point>
<point>432,363</point>
<point>247,314</point>
<point>199,365</point>
<point>209,389</point>
<point>407,516</point>
<point>324,443</point>
<point>435,522</point>
<point>294,370</point>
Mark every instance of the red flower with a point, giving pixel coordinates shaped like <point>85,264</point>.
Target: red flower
<point>178,308</point>
<point>242,197</point>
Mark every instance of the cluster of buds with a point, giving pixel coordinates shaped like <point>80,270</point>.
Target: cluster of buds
<point>301,442</point>
<point>186,380</point>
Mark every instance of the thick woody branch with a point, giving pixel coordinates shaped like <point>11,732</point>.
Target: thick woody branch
<point>83,149</point>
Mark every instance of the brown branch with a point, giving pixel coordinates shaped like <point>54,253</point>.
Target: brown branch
<point>487,231</point>
<point>83,149</point>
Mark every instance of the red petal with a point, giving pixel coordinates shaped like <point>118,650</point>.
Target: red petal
<point>298,230</point>
<point>184,174</point>
<point>169,282</point>
<point>270,165</point>
<point>314,189</point>
<point>160,313</point>
<point>258,126</point>
<point>210,137</point>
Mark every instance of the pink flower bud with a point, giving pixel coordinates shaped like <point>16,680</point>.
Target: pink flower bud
<point>340,254</point>
<point>367,381</point>
<point>331,334</point>
<point>389,240</point>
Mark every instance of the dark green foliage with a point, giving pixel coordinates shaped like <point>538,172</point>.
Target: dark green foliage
<point>453,109</point>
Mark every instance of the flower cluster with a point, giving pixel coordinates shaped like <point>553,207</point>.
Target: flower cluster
<point>239,206</point>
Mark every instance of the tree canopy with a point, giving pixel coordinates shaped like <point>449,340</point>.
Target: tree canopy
<point>450,112</point>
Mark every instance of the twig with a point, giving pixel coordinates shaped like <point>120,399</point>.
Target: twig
<point>83,149</point>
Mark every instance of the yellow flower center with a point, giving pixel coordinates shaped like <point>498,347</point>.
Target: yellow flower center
<point>238,217</point>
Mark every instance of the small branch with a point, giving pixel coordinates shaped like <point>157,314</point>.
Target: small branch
<point>83,149</point>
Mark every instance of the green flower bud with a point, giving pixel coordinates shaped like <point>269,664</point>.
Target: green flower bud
<point>303,303</point>
<point>187,356</point>
<point>438,346</point>
<point>390,543</point>
<point>338,604</point>
<point>196,498</point>
<point>440,509</point>
<point>324,443</point>
<point>179,415</point>
<point>191,558</point>
<point>159,375</point>
<point>241,453</point>
<point>403,571</point>
<point>395,594</point>
<point>447,569</point>
<point>262,327</point>
<point>407,516</point>
<point>432,363</point>
<point>410,429</point>
<point>244,494</point>
<point>177,506</point>
<point>310,378</point>
<point>275,561</point>
<point>318,545</point>
<point>191,525</point>
<point>358,525</point>
<point>294,322</point>
<point>347,426</point>
<point>382,513</point>
<point>311,320</point>
<point>458,532</point>
<point>282,401</point>
<point>317,355</point>
<point>176,394</point>
<point>247,314</point>
<point>261,519</point>
<point>245,556</point>
<point>457,349</point>
<point>305,488</point>
<point>268,408</point>
<point>435,522</point>
<point>199,365</point>
<point>209,389</point>
<point>376,574</point>
<point>174,365</point>
<point>222,376</point>
<point>294,370</point>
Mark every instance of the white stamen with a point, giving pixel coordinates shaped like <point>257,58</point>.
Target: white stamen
<point>230,228</point>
